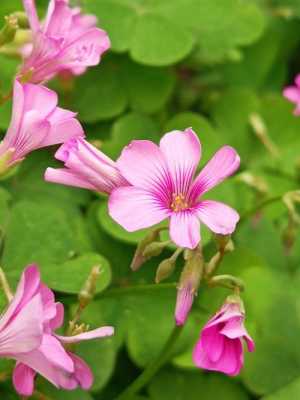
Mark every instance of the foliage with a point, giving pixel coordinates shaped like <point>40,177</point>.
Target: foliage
<point>208,64</point>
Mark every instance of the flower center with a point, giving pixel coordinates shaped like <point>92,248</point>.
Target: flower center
<point>179,202</point>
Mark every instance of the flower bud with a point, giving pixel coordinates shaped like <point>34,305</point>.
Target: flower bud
<point>188,285</point>
<point>154,249</point>
<point>139,258</point>
<point>228,281</point>
<point>8,32</point>
<point>88,291</point>
<point>165,269</point>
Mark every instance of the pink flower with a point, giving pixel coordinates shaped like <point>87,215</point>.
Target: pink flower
<point>292,93</point>
<point>67,40</point>
<point>220,345</point>
<point>163,186</point>
<point>27,335</point>
<point>86,167</point>
<point>36,122</point>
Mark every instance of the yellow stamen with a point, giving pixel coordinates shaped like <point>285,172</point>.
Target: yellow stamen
<point>179,202</point>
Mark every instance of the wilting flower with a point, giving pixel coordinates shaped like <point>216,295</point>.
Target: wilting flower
<point>292,93</point>
<point>220,346</point>
<point>66,40</point>
<point>36,122</point>
<point>163,186</point>
<point>86,167</point>
<point>27,335</point>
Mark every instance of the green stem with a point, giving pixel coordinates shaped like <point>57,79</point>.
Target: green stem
<point>137,289</point>
<point>153,367</point>
<point>260,206</point>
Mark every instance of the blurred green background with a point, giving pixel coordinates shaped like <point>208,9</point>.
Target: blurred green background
<point>215,65</point>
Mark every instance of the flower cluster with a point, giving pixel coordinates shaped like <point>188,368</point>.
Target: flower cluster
<point>165,186</point>
<point>27,334</point>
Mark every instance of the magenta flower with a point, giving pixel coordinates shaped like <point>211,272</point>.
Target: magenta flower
<point>67,40</point>
<point>27,335</point>
<point>220,345</point>
<point>164,187</point>
<point>86,167</point>
<point>292,93</point>
<point>36,122</point>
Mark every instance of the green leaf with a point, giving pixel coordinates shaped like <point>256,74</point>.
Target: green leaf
<point>218,26</point>
<point>159,42</point>
<point>232,114</point>
<point>37,233</point>
<point>132,126</point>
<point>70,276</point>
<point>117,19</point>
<point>101,92</point>
<point>150,322</point>
<point>179,385</point>
<point>8,68</point>
<point>148,88</point>
<point>269,296</point>
<point>288,392</point>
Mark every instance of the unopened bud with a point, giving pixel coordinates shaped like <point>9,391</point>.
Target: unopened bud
<point>88,291</point>
<point>227,281</point>
<point>165,269</point>
<point>154,249</point>
<point>22,19</point>
<point>188,284</point>
<point>8,32</point>
<point>139,259</point>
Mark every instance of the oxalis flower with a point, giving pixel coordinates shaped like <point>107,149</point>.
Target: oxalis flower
<point>163,186</point>
<point>86,167</point>
<point>292,93</point>
<point>220,346</point>
<point>66,40</point>
<point>27,335</point>
<point>36,122</point>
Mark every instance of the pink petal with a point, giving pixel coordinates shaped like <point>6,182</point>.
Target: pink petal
<point>223,164</point>
<point>297,80</point>
<point>219,217</point>
<point>62,131</point>
<point>24,332</point>
<point>42,365</point>
<point>185,229</point>
<point>58,320</point>
<point>23,380</point>
<point>55,353</point>
<point>39,98</point>
<point>83,373</point>
<point>27,288</point>
<point>94,334</point>
<point>182,151</point>
<point>67,177</point>
<point>30,9</point>
<point>213,342</point>
<point>292,93</point>
<point>59,19</point>
<point>135,208</point>
<point>17,112</point>
<point>152,173</point>
<point>86,50</point>
<point>184,302</point>
<point>231,360</point>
